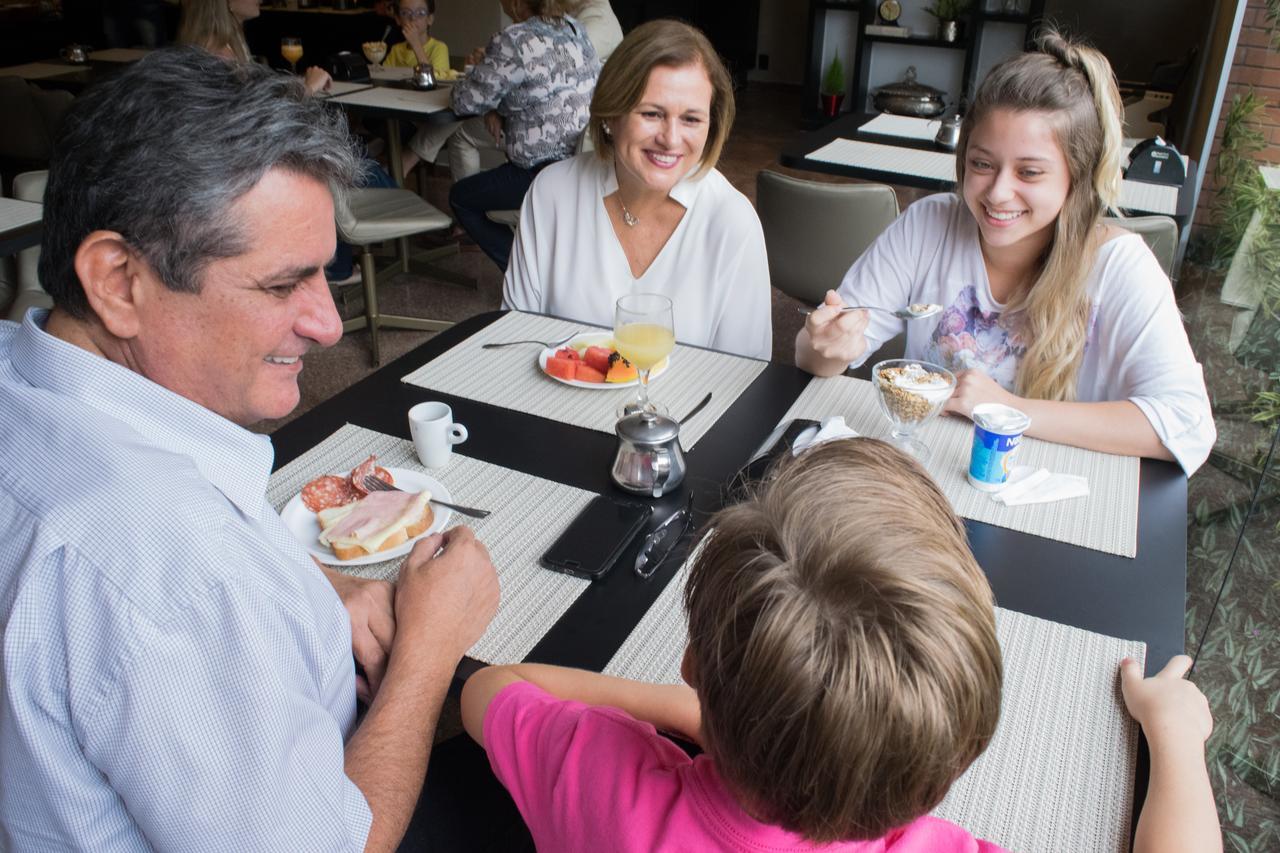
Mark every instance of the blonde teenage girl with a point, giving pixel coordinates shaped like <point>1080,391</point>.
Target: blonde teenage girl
<point>1046,308</point>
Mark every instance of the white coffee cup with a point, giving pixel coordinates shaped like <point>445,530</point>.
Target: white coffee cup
<point>434,433</point>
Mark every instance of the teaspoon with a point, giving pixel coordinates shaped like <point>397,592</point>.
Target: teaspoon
<point>915,311</point>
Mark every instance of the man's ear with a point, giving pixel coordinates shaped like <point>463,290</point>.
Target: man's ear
<point>108,271</point>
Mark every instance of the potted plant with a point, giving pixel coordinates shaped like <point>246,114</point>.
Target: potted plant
<point>833,88</point>
<point>948,13</point>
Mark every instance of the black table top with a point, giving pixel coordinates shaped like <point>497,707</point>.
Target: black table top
<point>795,155</point>
<point>1142,598</point>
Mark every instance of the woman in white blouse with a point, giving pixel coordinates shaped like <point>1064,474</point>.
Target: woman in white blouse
<point>647,211</point>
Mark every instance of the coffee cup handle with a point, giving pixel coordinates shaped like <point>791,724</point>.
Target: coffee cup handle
<point>457,434</point>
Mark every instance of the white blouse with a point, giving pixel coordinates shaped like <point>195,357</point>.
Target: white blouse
<point>567,260</point>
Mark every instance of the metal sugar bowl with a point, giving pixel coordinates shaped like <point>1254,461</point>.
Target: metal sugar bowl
<point>649,461</point>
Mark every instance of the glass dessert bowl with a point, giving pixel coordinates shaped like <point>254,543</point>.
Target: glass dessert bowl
<point>911,393</point>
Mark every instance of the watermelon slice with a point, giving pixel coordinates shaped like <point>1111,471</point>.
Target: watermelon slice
<point>562,368</point>
<point>598,358</point>
<point>587,373</point>
<point>568,352</point>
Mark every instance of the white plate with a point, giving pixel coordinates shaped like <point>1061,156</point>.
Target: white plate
<point>303,525</point>
<point>592,339</point>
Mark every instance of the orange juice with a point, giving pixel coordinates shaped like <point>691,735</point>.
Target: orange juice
<point>644,344</point>
<point>291,52</point>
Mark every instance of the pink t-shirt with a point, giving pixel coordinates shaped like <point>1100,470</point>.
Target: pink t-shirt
<point>593,778</point>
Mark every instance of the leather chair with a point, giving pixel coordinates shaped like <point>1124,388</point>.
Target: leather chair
<point>31,119</point>
<point>1160,232</point>
<point>29,186</point>
<point>377,215</point>
<point>815,231</point>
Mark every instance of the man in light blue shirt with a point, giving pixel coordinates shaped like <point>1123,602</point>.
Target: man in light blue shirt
<point>176,673</point>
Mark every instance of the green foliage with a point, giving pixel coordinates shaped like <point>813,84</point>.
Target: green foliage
<point>833,80</point>
<point>950,10</point>
<point>1240,184</point>
<point>1273,22</point>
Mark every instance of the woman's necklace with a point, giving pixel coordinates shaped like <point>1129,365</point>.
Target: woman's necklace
<point>627,216</point>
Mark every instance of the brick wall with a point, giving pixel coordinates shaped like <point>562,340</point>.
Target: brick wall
<point>1255,65</point>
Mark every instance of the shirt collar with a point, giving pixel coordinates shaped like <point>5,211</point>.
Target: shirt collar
<point>166,419</point>
<point>683,192</point>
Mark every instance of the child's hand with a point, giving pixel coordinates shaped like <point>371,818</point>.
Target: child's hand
<point>1169,708</point>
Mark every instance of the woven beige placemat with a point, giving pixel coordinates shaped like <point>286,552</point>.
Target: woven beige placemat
<point>510,377</point>
<point>528,513</point>
<point>1105,520</point>
<point>1058,775</point>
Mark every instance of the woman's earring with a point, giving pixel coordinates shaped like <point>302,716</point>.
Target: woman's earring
<point>605,126</point>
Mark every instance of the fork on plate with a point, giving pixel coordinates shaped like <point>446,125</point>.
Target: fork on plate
<point>377,484</point>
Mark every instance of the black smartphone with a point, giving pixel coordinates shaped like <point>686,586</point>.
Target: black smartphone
<point>593,541</point>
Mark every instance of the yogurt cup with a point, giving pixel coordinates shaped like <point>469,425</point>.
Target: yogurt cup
<point>997,433</point>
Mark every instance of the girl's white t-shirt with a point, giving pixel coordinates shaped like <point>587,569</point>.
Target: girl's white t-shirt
<point>1136,347</point>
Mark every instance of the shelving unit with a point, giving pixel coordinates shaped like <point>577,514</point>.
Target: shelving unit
<point>974,30</point>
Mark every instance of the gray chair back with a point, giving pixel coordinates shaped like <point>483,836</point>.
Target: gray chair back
<point>29,186</point>
<point>1160,233</point>
<point>815,231</point>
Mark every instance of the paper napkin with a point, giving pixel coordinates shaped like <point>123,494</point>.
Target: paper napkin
<point>831,428</point>
<point>1029,485</point>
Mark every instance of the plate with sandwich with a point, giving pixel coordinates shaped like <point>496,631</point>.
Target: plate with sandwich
<point>367,527</point>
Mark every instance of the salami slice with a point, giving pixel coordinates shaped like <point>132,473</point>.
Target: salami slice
<point>358,473</point>
<point>327,491</point>
<point>384,475</point>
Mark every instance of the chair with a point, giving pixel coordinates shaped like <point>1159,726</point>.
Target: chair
<point>376,215</point>
<point>815,231</point>
<point>1160,233</point>
<point>29,186</point>
<point>31,117</point>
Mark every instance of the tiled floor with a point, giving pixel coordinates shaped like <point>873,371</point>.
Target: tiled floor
<point>1238,664</point>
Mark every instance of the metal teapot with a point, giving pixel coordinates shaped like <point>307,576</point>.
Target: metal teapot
<point>424,76</point>
<point>649,461</point>
<point>949,133</point>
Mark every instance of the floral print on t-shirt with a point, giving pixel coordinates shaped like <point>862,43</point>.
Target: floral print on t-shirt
<point>968,337</point>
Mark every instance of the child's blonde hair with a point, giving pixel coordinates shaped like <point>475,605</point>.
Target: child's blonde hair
<point>1075,87</point>
<point>842,643</point>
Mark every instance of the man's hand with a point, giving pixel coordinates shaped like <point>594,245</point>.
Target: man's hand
<point>835,335</point>
<point>974,387</point>
<point>476,56</point>
<point>316,79</point>
<point>452,595</point>
<point>494,124</point>
<point>370,604</point>
<point>1169,708</point>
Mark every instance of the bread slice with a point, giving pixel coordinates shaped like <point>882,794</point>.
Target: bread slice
<point>377,522</point>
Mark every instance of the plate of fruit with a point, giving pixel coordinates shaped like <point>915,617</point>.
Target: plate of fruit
<point>592,361</point>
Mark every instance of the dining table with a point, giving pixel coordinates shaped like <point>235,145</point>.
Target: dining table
<point>1140,598</point>
<point>21,224</point>
<point>389,96</point>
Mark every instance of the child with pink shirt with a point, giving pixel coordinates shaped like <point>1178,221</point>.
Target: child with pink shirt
<point>842,671</point>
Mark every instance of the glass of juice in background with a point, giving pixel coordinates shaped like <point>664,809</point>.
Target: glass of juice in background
<point>291,50</point>
<point>644,334</point>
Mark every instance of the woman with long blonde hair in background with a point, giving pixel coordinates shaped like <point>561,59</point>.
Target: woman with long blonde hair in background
<point>1045,307</point>
<point>218,27</point>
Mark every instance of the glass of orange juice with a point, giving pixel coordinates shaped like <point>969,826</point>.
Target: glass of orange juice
<point>291,50</point>
<point>644,334</point>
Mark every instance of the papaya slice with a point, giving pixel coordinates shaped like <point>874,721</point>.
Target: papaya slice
<point>620,370</point>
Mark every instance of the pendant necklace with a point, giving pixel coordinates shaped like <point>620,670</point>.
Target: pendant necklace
<point>627,216</point>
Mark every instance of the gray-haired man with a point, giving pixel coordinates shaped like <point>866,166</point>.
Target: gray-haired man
<point>177,673</point>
